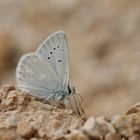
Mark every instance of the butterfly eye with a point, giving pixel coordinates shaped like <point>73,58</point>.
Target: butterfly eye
<point>54,48</point>
<point>57,46</point>
<point>50,52</point>
<point>48,57</point>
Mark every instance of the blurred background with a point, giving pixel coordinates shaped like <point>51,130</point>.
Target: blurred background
<point>104,42</point>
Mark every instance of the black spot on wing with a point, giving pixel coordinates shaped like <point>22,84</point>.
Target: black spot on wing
<point>59,61</point>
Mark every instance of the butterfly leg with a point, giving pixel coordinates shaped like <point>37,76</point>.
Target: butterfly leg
<point>47,99</point>
<point>78,110</point>
<point>79,102</point>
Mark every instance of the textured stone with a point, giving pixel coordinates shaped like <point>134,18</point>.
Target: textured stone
<point>8,136</point>
<point>29,118</point>
<point>43,132</point>
<point>12,94</point>
<point>134,137</point>
<point>35,124</point>
<point>25,130</point>
<point>104,123</point>
<point>111,136</point>
<point>76,135</point>
<point>11,121</point>
<point>125,126</point>
<point>96,128</point>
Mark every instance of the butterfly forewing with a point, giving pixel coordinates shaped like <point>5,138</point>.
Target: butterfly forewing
<point>55,52</point>
<point>36,77</point>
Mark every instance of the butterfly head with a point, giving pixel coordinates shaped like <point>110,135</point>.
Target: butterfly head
<point>62,94</point>
<point>71,90</point>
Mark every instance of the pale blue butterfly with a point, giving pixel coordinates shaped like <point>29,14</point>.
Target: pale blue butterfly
<point>45,73</point>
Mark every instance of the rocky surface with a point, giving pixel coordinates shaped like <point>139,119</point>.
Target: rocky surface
<point>103,39</point>
<point>23,117</point>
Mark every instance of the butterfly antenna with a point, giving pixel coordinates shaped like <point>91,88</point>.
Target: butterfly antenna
<point>81,99</point>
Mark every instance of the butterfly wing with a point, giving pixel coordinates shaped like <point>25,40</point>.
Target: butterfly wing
<point>54,51</point>
<point>35,77</point>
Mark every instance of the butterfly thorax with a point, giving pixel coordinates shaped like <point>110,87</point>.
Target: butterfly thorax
<point>62,94</point>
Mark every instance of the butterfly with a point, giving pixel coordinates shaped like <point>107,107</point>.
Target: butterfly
<point>45,73</point>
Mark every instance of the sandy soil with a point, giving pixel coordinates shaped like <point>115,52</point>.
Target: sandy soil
<point>103,38</point>
<point>22,117</point>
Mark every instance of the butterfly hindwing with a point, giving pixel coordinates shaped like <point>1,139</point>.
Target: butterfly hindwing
<point>36,77</point>
<point>54,51</point>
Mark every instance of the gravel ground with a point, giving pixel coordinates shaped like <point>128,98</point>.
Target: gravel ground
<point>23,117</point>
